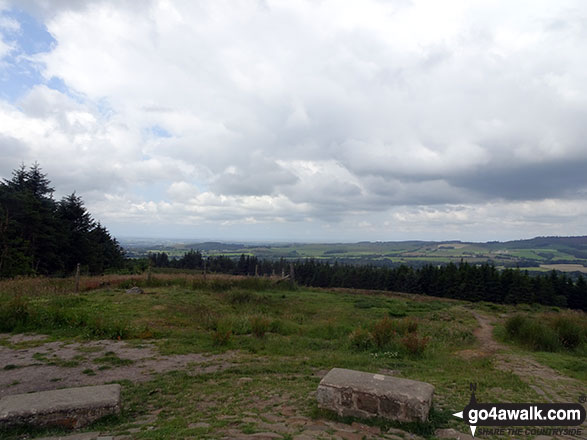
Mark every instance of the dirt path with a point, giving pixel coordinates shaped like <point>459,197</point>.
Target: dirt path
<point>550,384</point>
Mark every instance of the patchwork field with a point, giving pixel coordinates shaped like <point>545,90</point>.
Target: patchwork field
<point>567,254</point>
<point>237,357</point>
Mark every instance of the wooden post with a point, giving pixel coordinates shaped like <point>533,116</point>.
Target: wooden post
<point>291,272</point>
<point>204,269</point>
<point>149,273</point>
<point>256,270</point>
<point>77,278</point>
<point>282,272</point>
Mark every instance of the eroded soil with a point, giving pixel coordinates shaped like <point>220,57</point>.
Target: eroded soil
<point>51,365</point>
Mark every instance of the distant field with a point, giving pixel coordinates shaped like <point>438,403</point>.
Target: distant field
<point>565,267</point>
<point>566,254</point>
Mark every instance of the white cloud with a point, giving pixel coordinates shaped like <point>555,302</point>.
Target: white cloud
<point>421,114</point>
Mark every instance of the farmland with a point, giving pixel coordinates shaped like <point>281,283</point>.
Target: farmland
<point>567,254</point>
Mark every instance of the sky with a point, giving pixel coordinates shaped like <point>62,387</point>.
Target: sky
<point>299,120</point>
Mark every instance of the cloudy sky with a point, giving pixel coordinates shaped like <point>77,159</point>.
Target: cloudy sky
<point>321,120</point>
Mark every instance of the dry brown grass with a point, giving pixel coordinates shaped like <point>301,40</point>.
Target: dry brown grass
<point>40,286</point>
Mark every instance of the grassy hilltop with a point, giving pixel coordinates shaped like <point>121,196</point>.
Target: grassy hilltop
<point>239,356</point>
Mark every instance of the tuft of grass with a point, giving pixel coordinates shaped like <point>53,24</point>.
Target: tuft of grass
<point>548,332</point>
<point>260,325</point>
<point>110,358</point>
<point>415,344</point>
<point>383,333</point>
<point>361,339</point>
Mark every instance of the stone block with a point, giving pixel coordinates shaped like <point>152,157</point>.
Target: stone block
<point>69,407</point>
<point>367,395</point>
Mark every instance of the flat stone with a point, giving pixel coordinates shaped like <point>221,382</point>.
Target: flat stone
<point>366,395</point>
<point>265,435</point>
<point>68,408</point>
<point>135,290</point>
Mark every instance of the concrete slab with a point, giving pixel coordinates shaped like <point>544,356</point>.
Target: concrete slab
<point>367,395</point>
<point>69,407</point>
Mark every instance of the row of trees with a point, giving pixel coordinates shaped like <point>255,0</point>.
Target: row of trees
<point>460,281</point>
<point>42,236</point>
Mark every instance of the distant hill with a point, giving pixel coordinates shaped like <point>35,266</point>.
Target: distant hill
<point>539,254</point>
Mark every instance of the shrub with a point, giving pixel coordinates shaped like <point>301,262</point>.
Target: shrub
<point>405,326</point>
<point>259,325</point>
<point>383,332</point>
<point>514,324</point>
<point>240,325</point>
<point>415,344</point>
<point>361,339</point>
<point>538,336</point>
<point>569,332</point>
<point>283,328</point>
<point>222,333</point>
<point>14,313</point>
<point>548,332</point>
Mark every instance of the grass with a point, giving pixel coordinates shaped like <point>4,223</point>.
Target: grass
<point>550,332</point>
<point>283,335</point>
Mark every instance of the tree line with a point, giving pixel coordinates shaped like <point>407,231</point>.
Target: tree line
<point>472,282</point>
<point>42,236</point>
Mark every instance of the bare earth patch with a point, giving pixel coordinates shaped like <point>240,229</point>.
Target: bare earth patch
<point>53,365</point>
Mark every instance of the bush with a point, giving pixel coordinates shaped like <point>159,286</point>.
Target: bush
<point>283,328</point>
<point>361,339</point>
<point>14,314</point>
<point>514,324</point>
<point>222,334</point>
<point>405,326</point>
<point>259,325</point>
<point>538,336</point>
<point>240,325</point>
<point>415,344</point>
<point>570,333</point>
<point>383,332</point>
<point>548,332</point>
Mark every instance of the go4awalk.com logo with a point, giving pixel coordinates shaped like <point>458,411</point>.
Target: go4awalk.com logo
<point>501,415</point>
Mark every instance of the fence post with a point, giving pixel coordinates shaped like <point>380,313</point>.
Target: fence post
<point>291,272</point>
<point>77,278</point>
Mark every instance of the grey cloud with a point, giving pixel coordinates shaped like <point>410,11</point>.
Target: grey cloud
<point>565,178</point>
<point>13,152</point>
<point>258,177</point>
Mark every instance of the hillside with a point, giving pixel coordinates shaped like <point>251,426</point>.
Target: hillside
<point>541,253</point>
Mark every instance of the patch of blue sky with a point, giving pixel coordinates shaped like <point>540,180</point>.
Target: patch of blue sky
<point>32,37</point>
<point>152,192</point>
<point>18,70</point>
<point>158,131</point>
